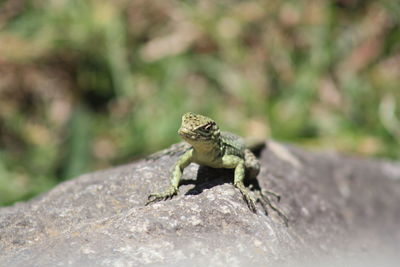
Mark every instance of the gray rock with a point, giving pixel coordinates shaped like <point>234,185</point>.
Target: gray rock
<point>342,210</point>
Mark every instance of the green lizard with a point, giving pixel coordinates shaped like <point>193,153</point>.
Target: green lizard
<point>216,149</point>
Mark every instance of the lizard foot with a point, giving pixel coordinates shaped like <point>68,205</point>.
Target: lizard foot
<point>265,201</point>
<point>249,200</point>
<point>168,194</point>
<point>272,193</point>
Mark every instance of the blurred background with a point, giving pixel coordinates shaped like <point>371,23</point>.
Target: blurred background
<point>89,84</point>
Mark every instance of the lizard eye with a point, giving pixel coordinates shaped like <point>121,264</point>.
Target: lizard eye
<point>208,127</point>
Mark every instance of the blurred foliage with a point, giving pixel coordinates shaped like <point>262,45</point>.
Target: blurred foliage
<point>87,84</point>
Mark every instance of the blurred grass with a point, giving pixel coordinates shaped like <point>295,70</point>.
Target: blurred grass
<point>90,84</point>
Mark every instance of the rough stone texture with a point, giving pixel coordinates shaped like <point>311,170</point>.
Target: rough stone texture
<point>342,210</point>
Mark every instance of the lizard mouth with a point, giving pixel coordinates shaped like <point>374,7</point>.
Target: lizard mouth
<point>187,134</point>
<point>190,135</point>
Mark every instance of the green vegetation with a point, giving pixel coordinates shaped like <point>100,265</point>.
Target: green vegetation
<point>85,85</point>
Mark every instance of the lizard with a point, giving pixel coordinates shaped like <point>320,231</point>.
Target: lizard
<point>217,149</point>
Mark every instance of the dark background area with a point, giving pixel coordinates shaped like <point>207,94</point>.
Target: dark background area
<point>86,85</point>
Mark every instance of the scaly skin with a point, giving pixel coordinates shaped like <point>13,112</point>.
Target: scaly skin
<point>213,148</point>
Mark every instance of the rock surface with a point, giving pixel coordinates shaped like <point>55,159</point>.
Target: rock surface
<point>342,210</point>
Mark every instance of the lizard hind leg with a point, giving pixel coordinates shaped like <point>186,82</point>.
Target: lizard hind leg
<point>252,170</point>
<point>266,202</point>
<point>252,164</point>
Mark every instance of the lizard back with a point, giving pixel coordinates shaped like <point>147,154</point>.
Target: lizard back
<point>232,144</point>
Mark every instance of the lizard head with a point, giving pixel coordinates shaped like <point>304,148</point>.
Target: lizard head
<point>197,128</point>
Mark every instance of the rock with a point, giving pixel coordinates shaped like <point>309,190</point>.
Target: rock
<point>342,210</point>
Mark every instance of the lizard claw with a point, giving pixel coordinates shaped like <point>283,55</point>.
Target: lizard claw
<point>272,193</point>
<point>249,200</point>
<point>168,194</point>
<point>250,203</point>
<point>264,200</point>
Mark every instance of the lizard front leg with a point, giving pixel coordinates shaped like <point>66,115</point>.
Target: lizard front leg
<point>176,175</point>
<point>230,161</point>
